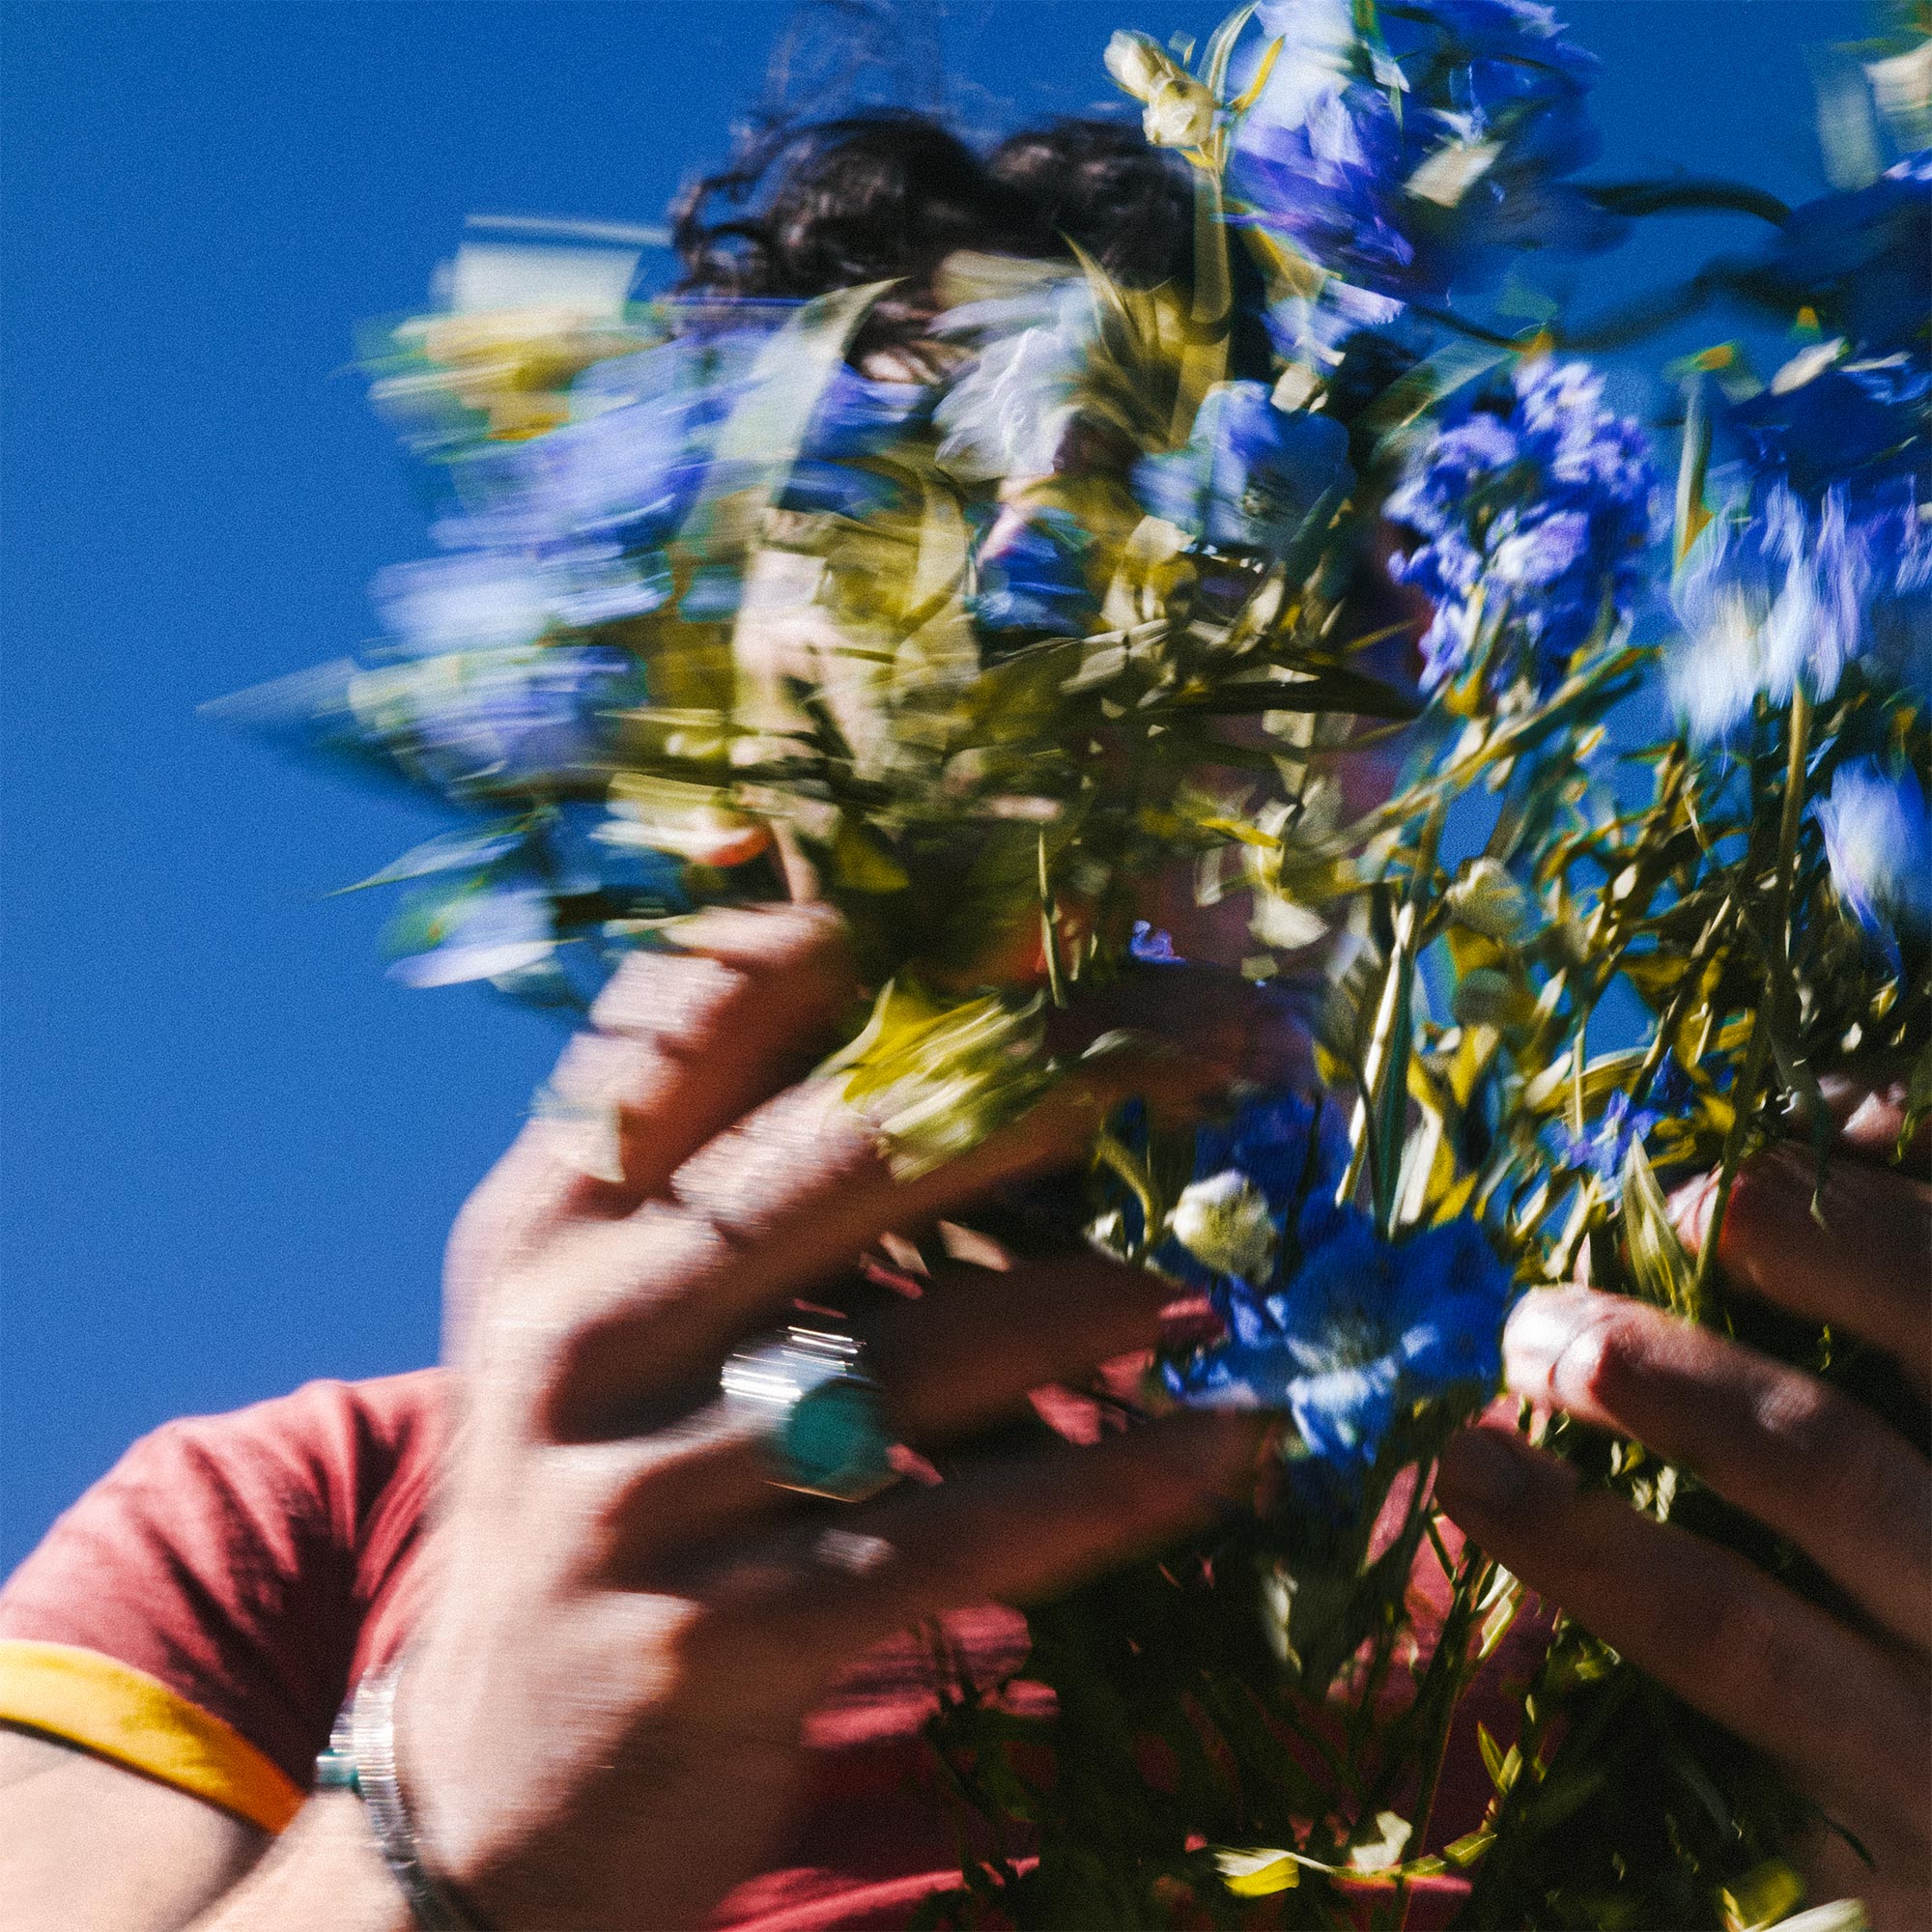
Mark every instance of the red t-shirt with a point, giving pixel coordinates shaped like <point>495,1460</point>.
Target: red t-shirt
<point>201,1613</point>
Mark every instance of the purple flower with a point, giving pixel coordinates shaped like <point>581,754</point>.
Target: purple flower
<point>1535,521</point>
<point>1604,1148</point>
<point>1878,839</point>
<point>1250,474</point>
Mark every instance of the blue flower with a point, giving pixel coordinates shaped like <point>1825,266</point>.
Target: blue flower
<point>1780,589</point>
<point>1823,555</point>
<point>516,719</point>
<point>1362,1330</point>
<point>1324,1318</point>
<point>1414,160</point>
<point>1535,523</point>
<point>1671,1088</point>
<point>1878,839</point>
<point>479,932</point>
<point>1150,945</point>
<point>1602,1149</point>
<point>1825,421</point>
<point>584,514</point>
<point>1033,576</point>
<point>1861,261</point>
<point>1250,474</point>
<point>627,472</point>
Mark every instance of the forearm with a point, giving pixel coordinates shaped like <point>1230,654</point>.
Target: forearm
<point>325,1870</point>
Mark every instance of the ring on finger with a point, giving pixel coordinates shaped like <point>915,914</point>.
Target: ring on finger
<point>824,1429</point>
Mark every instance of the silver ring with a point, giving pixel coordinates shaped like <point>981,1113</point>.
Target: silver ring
<point>824,1431</point>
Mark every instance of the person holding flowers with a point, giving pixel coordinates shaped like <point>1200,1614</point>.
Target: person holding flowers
<point>831,668</point>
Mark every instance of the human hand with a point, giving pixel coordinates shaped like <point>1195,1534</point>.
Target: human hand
<point>598,1720</point>
<point>1846,1703</point>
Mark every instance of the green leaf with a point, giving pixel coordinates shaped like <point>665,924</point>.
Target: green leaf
<point>1762,1898</point>
<point>1917,1101</point>
<point>1665,1274</point>
<point>453,852</point>
<point>1221,47</point>
<point>1493,1759</point>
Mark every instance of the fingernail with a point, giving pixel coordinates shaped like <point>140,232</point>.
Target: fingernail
<point>1480,1469</point>
<point>1541,1328</point>
<point>1874,1122</point>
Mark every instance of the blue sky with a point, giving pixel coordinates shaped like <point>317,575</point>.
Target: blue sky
<point>231,1148</point>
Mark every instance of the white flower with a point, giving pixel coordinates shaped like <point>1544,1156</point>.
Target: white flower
<point>1224,1223</point>
<point>1136,61</point>
<point>1179,112</point>
<point>1010,411</point>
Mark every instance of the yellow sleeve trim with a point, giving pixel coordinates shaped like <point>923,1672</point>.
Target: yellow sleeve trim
<point>111,1707</point>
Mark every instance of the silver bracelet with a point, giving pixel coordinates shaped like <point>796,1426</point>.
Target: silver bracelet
<point>361,1757</point>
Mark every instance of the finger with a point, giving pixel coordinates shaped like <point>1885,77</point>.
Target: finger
<point>1255,1031</point>
<point>1014,1529</point>
<point>1804,1459</point>
<point>969,1351</point>
<point>1868,1116</point>
<point>962,1356</point>
<point>780,1202</point>
<point>680,1045</point>
<point>1700,1619</point>
<point>1863,1260</point>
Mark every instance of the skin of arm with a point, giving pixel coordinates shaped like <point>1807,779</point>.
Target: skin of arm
<point>89,1846</point>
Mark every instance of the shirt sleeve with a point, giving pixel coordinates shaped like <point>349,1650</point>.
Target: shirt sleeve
<point>196,1614</point>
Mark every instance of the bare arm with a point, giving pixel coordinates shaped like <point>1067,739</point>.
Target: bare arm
<point>88,1846</point>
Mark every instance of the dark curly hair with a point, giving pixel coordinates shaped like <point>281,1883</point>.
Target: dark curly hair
<point>1132,207</point>
<point>1099,182</point>
<point>887,195</point>
<point>872,197</point>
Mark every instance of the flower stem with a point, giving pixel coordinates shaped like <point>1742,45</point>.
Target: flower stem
<point>1386,1057</point>
<point>1778,972</point>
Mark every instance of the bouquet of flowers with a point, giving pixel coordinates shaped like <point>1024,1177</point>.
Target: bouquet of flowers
<point>723,613</point>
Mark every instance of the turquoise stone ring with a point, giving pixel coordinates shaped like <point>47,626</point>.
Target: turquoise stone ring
<point>824,1432</point>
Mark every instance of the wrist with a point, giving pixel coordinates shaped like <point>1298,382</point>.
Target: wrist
<point>325,1870</point>
<point>361,1760</point>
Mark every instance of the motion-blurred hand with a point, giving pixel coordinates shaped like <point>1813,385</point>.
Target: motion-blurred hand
<point>599,1724</point>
